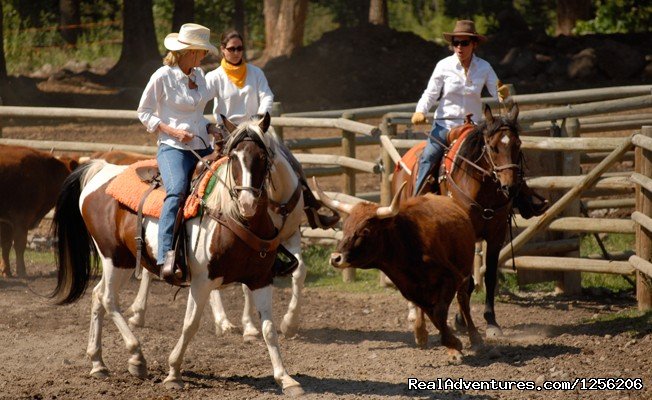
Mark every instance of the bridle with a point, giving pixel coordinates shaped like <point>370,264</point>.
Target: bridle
<point>234,191</point>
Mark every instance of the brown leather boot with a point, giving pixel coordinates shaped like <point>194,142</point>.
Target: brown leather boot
<point>312,205</point>
<point>529,203</point>
<point>169,271</point>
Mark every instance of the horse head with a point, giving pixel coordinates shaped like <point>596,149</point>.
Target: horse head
<point>502,149</point>
<point>250,150</point>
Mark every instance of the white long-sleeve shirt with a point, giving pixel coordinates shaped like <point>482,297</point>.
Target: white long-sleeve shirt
<point>239,104</point>
<point>167,98</point>
<point>461,93</point>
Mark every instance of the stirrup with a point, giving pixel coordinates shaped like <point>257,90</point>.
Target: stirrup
<point>170,272</point>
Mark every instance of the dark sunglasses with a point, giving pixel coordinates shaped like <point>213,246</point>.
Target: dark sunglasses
<point>234,49</point>
<point>462,43</point>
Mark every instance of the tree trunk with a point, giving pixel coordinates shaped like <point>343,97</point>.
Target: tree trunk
<point>184,12</point>
<point>568,12</point>
<point>3,65</point>
<point>378,12</point>
<point>139,46</point>
<point>284,25</point>
<point>69,21</point>
<point>239,16</point>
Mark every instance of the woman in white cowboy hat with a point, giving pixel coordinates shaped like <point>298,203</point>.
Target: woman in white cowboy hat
<point>459,78</point>
<point>172,106</point>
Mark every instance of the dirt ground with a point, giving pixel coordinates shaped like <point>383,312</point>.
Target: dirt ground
<point>350,346</point>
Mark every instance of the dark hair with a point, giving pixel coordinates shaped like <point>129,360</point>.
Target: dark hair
<point>228,35</point>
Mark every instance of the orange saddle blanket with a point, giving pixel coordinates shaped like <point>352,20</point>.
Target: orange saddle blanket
<point>128,189</point>
<point>456,136</point>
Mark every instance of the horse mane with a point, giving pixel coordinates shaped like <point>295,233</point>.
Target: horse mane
<point>473,145</point>
<point>220,198</point>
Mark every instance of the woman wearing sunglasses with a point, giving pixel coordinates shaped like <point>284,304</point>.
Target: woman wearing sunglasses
<point>460,78</point>
<point>241,92</point>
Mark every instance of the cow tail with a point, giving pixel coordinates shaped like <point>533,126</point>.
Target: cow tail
<point>75,253</point>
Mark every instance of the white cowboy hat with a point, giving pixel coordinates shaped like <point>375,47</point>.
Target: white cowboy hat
<point>191,37</point>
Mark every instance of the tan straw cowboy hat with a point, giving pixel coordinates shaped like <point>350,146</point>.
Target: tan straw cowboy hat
<point>190,37</point>
<point>464,28</point>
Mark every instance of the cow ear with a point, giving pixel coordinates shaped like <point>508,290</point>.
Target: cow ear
<point>488,116</point>
<point>264,123</point>
<point>230,126</point>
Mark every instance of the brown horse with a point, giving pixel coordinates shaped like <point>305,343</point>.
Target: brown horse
<point>234,241</point>
<point>484,179</point>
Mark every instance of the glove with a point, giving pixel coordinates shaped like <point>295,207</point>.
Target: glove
<point>503,91</point>
<point>418,118</point>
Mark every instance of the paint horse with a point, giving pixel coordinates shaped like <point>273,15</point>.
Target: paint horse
<point>235,241</point>
<point>484,177</point>
<point>286,210</point>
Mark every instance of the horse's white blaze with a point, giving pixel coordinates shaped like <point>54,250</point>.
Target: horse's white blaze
<point>505,140</point>
<point>246,199</point>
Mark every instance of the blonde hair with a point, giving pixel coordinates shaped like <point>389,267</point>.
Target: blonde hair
<point>172,58</point>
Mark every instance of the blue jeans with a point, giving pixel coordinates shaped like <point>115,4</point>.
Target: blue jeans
<point>432,154</point>
<point>176,168</point>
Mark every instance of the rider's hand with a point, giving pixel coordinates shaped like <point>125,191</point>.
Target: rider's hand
<point>418,118</point>
<point>183,136</point>
<point>503,91</point>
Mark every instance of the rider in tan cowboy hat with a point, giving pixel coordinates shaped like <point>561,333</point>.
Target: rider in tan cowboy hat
<point>464,27</point>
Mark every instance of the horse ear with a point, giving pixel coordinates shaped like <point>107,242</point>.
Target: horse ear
<point>488,116</point>
<point>513,113</point>
<point>230,126</point>
<point>264,123</point>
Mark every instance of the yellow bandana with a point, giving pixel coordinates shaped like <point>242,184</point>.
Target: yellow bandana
<point>236,73</point>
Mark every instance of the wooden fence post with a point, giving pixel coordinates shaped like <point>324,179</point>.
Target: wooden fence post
<point>277,110</point>
<point>348,181</point>
<point>643,166</point>
<point>388,129</point>
<point>571,282</point>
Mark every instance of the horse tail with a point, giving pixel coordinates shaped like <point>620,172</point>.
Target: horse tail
<point>76,255</point>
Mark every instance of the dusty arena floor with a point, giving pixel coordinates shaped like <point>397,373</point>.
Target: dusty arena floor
<point>350,346</point>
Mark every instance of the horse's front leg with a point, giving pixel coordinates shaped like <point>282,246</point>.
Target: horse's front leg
<point>199,292</point>
<point>291,319</point>
<point>249,331</point>
<point>139,306</point>
<point>222,323</point>
<point>263,299</point>
<point>490,279</point>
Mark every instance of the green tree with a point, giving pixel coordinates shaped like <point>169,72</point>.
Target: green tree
<point>3,65</point>
<point>618,16</point>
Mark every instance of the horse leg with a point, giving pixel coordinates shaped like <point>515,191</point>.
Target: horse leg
<point>460,321</point>
<point>20,243</point>
<point>199,293</point>
<point>6,239</point>
<point>222,323</point>
<point>420,330</point>
<point>290,323</point>
<point>490,278</point>
<point>94,349</point>
<point>263,300</point>
<point>139,306</point>
<point>249,331</point>
<point>115,278</point>
<point>465,310</point>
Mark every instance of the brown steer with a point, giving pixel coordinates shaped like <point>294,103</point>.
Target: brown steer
<point>425,246</point>
<point>29,183</point>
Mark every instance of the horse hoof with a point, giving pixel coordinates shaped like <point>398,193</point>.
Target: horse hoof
<point>102,373</point>
<point>138,370</point>
<point>224,328</point>
<point>288,330</point>
<point>493,331</point>
<point>293,391</point>
<point>455,357</point>
<point>173,383</point>
<point>249,338</point>
<point>135,322</point>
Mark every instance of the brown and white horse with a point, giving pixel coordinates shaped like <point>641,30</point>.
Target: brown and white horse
<point>286,210</point>
<point>85,214</point>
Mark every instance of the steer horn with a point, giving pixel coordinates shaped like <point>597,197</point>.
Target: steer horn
<point>331,203</point>
<point>391,210</point>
